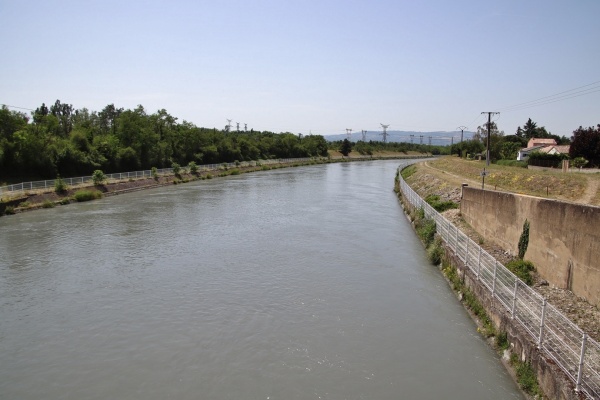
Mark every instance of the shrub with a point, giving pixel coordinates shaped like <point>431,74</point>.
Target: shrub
<point>176,169</point>
<point>98,177</point>
<point>440,206</point>
<point>87,195</point>
<point>193,168</point>
<point>237,163</point>
<point>579,162</point>
<point>426,230</point>
<point>522,269</point>
<point>209,176</point>
<point>408,171</point>
<point>10,210</point>
<point>524,240</point>
<point>154,173</point>
<point>235,171</point>
<point>59,185</point>
<point>25,204</point>
<point>435,252</point>
<point>525,376</point>
<point>48,204</point>
<point>64,201</point>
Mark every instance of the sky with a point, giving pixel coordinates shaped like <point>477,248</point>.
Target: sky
<point>317,67</point>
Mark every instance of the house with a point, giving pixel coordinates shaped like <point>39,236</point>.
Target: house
<point>542,145</point>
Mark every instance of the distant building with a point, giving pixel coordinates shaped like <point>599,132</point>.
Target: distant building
<point>542,145</point>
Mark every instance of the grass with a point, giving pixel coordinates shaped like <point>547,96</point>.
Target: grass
<point>87,195</point>
<point>519,180</point>
<point>522,269</point>
<point>440,206</point>
<point>525,376</point>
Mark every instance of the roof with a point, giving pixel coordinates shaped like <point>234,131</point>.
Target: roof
<point>541,141</point>
<point>562,149</point>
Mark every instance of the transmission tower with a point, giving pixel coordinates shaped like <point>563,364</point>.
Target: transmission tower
<point>364,135</point>
<point>349,133</point>
<point>384,131</point>
<point>228,126</point>
<point>411,138</point>
<point>421,139</point>
<point>245,127</point>
<point>430,140</point>
<point>462,128</point>
<point>237,126</point>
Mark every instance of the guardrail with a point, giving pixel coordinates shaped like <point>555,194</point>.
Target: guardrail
<point>82,180</point>
<point>573,351</point>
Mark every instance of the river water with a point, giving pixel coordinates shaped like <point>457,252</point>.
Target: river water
<point>298,283</point>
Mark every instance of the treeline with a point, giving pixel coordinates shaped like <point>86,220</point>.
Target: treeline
<point>370,147</point>
<point>64,141</point>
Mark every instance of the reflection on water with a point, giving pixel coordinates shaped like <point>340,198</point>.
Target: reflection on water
<point>296,283</point>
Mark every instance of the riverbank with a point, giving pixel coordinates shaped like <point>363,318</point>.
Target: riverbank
<point>39,199</point>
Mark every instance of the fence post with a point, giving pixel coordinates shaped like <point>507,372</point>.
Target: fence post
<point>514,303</point>
<point>581,364</point>
<point>479,263</point>
<point>541,338</point>
<point>494,281</point>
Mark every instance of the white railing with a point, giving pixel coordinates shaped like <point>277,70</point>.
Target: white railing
<point>559,338</point>
<point>23,187</point>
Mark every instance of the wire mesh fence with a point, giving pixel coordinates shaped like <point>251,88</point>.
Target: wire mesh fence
<point>25,187</point>
<point>559,338</point>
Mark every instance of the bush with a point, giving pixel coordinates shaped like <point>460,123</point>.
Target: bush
<point>435,252</point>
<point>48,204</point>
<point>10,210</point>
<point>98,177</point>
<point>235,171</point>
<point>512,163</point>
<point>59,185</point>
<point>522,269</point>
<point>87,195</point>
<point>440,206</point>
<point>176,169</point>
<point>193,168</point>
<point>426,230</point>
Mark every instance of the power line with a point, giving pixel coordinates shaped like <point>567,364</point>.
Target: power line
<point>20,108</point>
<point>564,95</point>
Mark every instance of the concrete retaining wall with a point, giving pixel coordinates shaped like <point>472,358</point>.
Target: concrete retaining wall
<point>564,238</point>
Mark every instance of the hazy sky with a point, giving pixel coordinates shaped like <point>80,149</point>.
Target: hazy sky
<point>309,66</point>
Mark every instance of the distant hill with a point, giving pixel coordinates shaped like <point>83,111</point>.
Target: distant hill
<point>437,138</point>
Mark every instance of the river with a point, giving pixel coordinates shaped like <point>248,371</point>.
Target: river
<point>297,283</point>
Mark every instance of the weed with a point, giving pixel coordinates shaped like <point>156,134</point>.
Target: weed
<point>522,269</point>
<point>25,204</point>
<point>235,171</point>
<point>10,210</point>
<point>440,206</point>
<point>154,173</point>
<point>502,341</point>
<point>87,195</point>
<point>525,376</point>
<point>435,251</point>
<point>64,201</point>
<point>59,185</point>
<point>408,171</point>
<point>48,204</point>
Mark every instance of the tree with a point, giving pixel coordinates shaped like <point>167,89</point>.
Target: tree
<point>346,147</point>
<point>531,130</point>
<point>585,143</point>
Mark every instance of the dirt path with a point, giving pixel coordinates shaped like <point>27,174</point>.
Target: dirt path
<point>590,191</point>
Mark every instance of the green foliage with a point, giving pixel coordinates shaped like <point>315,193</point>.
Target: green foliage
<point>346,147</point>
<point>425,230</point>
<point>176,169</point>
<point>87,195</point>
<point>537,158</point>
<point>408,171</point>
<point>48,204</point>
<point>512,163</point>
<point>435,252</point>
<point>586,143</point>
<point>193,168</point>
<point>9,210</point>
<point>235,171</point>
<point>502,342</point>
<point>522,269</point>
<point>98,177</point>
<point>154,173</point>
<point>60,186</point>
<point>526,377</point>
<point>524,240</point>
<point>440,206</point>
<point>579,162</point>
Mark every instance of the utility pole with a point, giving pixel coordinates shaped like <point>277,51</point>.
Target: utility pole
<point>451,141</point>
<point>421,139</point>
<point>411,138</point>
<point>462,128</point>
<point>489,127</point>
<point>430,140</point>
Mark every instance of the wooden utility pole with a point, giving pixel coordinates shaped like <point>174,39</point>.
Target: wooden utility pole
<point>489,127</point>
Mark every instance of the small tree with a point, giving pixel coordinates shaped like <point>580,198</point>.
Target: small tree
<point>193,167</point>
<point>524,240</point>
<point>59,185</point>
<point>98,177</point>
<point>579,162</point>
<point>154,173</point>
<point>346,147</point>
<point>176,169</point>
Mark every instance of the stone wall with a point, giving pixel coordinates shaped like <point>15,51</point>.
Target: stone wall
<point>564,238</point>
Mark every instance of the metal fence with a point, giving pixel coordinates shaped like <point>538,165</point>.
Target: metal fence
<point>21,188</point>
<point>556,336</point>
